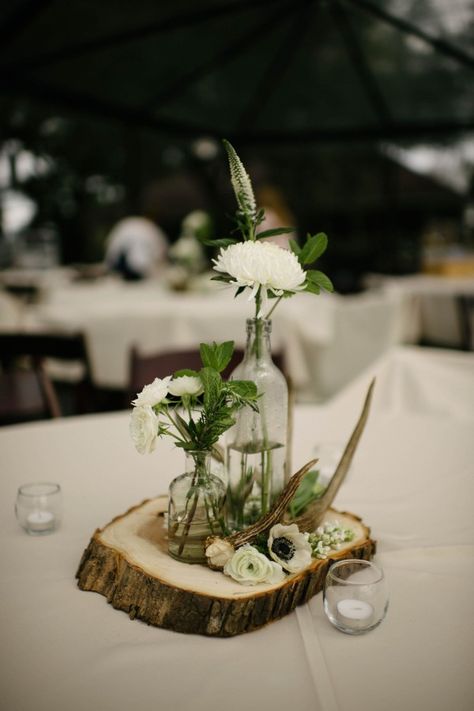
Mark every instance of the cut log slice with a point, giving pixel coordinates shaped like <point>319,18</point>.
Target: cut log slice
<point>127,561</point>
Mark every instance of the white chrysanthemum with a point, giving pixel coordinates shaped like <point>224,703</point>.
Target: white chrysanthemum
<point>290,548</point>
<point>185,385</point>
<point>261,265</point>
<point>154,393</point>
<point>249,567</point>
<point>144,427</point>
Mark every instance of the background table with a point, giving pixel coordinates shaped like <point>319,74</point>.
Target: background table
<point>431,308</point>
<point>411,481</point>
<point>315,333</point>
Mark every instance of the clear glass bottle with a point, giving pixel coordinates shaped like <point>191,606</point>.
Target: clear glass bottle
<point>195,509</point>
<point>257,443</point>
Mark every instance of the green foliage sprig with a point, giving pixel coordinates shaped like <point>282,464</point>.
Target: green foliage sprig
<point>212,412</point>
<point>309,490</point>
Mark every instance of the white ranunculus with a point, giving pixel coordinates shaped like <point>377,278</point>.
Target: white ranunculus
<point>261,265</point>
<point>154,393</point>
<point>185,385</point>
<point>249,567</point>
<point>144,427</point>
<point>219,552</point>
<point>278,574</point>
<point>290,548</point>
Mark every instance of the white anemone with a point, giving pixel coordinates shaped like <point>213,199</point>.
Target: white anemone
<point>261,265</point>
<point>154,393</point>
<point>290,548</point>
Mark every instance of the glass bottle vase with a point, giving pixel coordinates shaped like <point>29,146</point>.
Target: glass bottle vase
<point>257,443</point>
<point>195,509</point>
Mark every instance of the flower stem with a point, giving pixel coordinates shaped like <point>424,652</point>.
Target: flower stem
<point>274,307</point>
<point>188,523</point>
<point>176,425</point>
<point>199,476</point>
<point>265,454</point>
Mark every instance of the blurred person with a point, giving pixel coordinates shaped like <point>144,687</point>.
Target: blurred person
<point>277,214</point>
<point>136,248</point>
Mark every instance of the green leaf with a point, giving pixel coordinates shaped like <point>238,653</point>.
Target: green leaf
<point>295,248</point>
<point>308,490</point>
<point>222,277</point>
<point>276,231</point>
<point>188,447</point>
<point>243,388</point>
<point>192,427</point>
<point>181,425</point>
<point>284,295</point>
<point>312,288</point>
<point>217,355</point>
<point>220,242</point>
<point>317,278</point>
<point>239,291</point>
<point>212,384</point>
<point>313,248</point>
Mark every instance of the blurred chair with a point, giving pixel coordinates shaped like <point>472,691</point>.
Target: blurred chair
<point>144,369</point>
<point>465,306</point>
<point>27,395</point>
<point>25,380</point>
<point>11,310</point>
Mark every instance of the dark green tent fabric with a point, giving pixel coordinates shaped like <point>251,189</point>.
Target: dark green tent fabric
<point>256,71</point>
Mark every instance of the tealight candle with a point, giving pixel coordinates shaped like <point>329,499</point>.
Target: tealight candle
<point>355,595</point>
<point>357,614</point>
<point>40,521</point>
<point>38,507</point>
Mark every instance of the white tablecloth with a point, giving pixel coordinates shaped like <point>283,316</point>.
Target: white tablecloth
<point>411,481</point>
<point>430,304</point>
<point>316,332</point>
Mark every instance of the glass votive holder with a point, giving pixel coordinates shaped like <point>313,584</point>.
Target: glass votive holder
<point>38,507</point>
<point>329,455</point>
<point>355,596</point>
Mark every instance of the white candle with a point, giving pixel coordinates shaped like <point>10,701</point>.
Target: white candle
<point>38,521</point>
<point>356,614</point>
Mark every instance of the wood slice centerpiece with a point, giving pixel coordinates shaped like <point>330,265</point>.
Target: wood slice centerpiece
<point>127,561</point>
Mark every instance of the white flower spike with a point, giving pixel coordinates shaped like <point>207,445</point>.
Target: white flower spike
<point>240,182</point>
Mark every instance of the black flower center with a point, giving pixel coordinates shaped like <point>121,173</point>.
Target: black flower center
<point>283,548</point>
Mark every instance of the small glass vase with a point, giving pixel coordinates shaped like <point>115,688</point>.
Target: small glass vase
<point>257,443</point>
<point>195,509</point>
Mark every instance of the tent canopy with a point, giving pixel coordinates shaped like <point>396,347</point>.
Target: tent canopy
<point>256,71</point>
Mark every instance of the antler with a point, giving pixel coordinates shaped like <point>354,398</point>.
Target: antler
<point>311,518</point>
